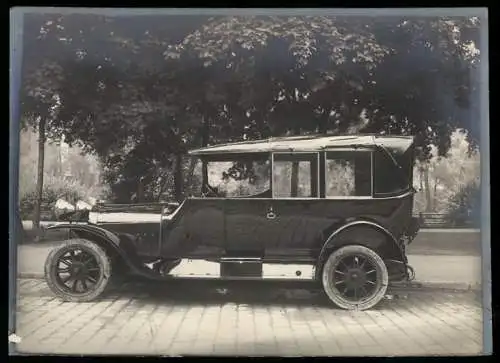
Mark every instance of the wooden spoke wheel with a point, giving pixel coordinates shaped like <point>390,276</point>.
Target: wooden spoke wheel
<point>78,271</point>
<point>355,278</point>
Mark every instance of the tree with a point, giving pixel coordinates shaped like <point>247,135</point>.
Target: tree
<point>109,66</point>
<point>389,75</point>
<point>140,91</point>
<point>40,104</point>
<point>284,64</point>
<point>425,86</point>
<point>292,57</point>
<point>444,176</point>
<point>404,75</point>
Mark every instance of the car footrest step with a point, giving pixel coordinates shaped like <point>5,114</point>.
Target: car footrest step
<point>241,267</point>
<point>241,259</point>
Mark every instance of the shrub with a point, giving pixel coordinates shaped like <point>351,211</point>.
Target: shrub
<point>465,205</point>
<point>53,189</point>
<point>85,171</point>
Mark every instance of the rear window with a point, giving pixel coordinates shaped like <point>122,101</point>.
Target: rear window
<point>389,178</point>
<point>348,174</point>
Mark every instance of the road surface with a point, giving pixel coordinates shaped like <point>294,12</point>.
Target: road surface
<point>147,319</point>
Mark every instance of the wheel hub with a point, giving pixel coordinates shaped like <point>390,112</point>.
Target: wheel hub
<point>78,270</point>
<point>355,277</point>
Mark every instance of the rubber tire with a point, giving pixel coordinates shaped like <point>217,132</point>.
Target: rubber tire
<point>328,284</point>
<point>103,261</point>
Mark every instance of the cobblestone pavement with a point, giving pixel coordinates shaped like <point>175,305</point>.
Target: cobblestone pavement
<point>191,318</point>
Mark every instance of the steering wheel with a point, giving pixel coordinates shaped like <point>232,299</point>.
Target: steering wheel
<point>212,192</point>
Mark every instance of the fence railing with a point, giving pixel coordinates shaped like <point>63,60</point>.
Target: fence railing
<point>440,220</point>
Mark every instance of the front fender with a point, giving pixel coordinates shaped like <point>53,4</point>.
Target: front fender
<point>111,241</point>
<point>100,236</point>
<point>94,230</point>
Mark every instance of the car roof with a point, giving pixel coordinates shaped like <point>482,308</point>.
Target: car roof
<point>307,143</point>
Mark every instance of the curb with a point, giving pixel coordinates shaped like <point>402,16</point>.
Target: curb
<point>413,286</point>
<point>31,275</point>
<point>436,285</point>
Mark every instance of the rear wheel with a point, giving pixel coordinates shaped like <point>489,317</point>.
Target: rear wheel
<point>78,271</point>
<point>355,278</point>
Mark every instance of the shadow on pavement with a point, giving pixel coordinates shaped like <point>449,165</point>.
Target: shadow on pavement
<point>255,293</point>
<point>213,292</point>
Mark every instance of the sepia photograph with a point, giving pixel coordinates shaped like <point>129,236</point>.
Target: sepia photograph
<point>249,182</point>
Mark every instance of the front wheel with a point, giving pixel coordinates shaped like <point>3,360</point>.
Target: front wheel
<point>355,278</point>
<point>78,271</point>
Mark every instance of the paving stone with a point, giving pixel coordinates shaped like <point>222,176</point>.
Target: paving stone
<point>437,323</point>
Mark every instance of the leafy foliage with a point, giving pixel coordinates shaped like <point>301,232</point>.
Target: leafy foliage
<point>447,175</point>
<point>52,191</point>
<point>424,87</point>
<point>466,204</point>
<point>140,91</point>
<point>84,174</point>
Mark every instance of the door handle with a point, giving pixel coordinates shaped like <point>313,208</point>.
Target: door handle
<point>270,213</point>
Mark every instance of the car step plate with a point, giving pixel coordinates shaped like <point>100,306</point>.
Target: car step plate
<point>243,268</point>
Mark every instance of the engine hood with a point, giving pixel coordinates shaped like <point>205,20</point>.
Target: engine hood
<point>131,213</point>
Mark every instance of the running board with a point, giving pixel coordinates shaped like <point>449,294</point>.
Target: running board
<point>244,268</point>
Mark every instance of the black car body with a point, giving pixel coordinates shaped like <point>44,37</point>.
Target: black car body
<point>328,202</point>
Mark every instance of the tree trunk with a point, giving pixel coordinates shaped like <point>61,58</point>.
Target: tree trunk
<point>323,123</point>
<point>189,188</point>
<point>58,168</point>
<point>205,134</point>
<point>421,177</point>
<point>20,228</point>
<point>438,201</point>
<point>428,197</point>
<point>140,190</point>
<point>178,178</point>
<point>190,170</point>
<point>205,131</point>
<point>39,180</point>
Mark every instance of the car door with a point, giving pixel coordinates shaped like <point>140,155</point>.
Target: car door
<point>286,222</point>
<point>295,218</point>
<point>247,226</point>
<point>195,230</point>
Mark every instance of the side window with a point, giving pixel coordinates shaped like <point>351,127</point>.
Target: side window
<point>348,174</point>
<point>295,175</point>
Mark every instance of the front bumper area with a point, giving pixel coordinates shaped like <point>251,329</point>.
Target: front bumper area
<point>412,230</point>
<point>400,271</point>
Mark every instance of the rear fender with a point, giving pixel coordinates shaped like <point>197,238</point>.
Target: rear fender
<point>365,233</point>
<point>106,239</point>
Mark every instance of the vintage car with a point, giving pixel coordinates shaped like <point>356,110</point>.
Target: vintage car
<point>335,211</point>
